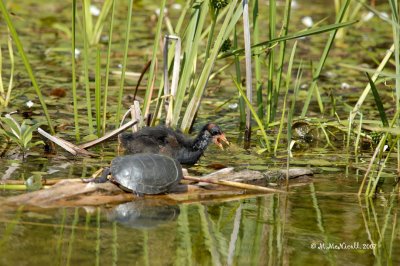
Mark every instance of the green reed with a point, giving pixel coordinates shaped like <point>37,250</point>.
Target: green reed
<point>97,94</point>
<point>193,34</point>
<point>271,63</point>
<point>73,70</point>
<point>242,104</point>
<point>290,119</point>
<point>107,73</point>
<point>254,113</point>
<point>227,27</point>
<point>395,8</point>
<point>288,82</point>
<point>86,31</point>
<point>257,61</point>
<point>249,72</point>
<point>281,58</point>
<point>152,72</point>
<point>125,59</point>
<point>91,35</point>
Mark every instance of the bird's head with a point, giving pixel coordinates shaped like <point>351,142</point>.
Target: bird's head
<point>217,135</point>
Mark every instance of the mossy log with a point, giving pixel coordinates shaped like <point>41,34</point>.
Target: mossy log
<point>74,192</point>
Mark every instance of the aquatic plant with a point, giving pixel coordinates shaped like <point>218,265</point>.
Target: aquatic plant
<point>20,134</point>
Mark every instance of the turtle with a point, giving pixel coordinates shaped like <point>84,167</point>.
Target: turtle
<point>143,173</point>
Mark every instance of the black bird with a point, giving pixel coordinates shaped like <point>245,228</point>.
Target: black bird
<point>173,143</point>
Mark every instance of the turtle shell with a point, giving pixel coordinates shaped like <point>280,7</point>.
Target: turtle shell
<point>146,173</point>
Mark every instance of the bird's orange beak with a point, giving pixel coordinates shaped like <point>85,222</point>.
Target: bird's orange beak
<point>218,139</point>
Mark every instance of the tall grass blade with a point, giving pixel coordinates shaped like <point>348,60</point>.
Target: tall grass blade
<point>107,74</point>
<point>192,37</point>
<point>160,99</point>
<point>2,94</point>
<point>214,14</point>
<point>378,102</point>
<point>249,74</point>
<point>12,67</point>
<point>175,76</point>
<point>87,19</point>
<point>242,104</point>
<point>73,69</point>
<point>125,59</point>
<point>151,77</point>
<point>288,78</point>
<point>87,27</point>
<point>257,61</point>
<point>258,120</point>
<point>6,95</point>
<point>27,65</point>
<point>290,119</point>
<point>375,181</point>
<point>281,59</point>
<point>394,6</point>
<point>97,93</point>
<point>98,27</point>
<point>374,77</point>
<point>226,29</point>
<point>378,150</point>
<point>271,63</point>
<point>260,47</point>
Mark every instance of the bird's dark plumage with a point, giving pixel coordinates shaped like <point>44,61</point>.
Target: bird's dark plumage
<point>173,143</point>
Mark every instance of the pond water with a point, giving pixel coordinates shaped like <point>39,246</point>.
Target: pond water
<point>320,222</point>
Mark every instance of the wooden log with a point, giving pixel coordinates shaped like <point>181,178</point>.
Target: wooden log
<point>234,184</point>
<point>73,192</point>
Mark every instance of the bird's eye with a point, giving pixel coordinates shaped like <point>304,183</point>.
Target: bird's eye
<point>215,131</point>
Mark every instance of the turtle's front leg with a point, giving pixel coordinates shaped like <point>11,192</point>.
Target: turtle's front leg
<point>102,179</point>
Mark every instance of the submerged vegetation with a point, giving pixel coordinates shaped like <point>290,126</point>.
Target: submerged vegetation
<point>20,134</point>
<point>319,94</point>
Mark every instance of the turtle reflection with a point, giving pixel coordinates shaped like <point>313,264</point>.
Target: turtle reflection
<point>141,214</point>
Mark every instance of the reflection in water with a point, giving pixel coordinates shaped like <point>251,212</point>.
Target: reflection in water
<point>306,227</point>
<point>140,214</point>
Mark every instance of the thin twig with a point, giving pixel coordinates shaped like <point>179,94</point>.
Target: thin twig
<point>80,149</point>
<point>234,184</point>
